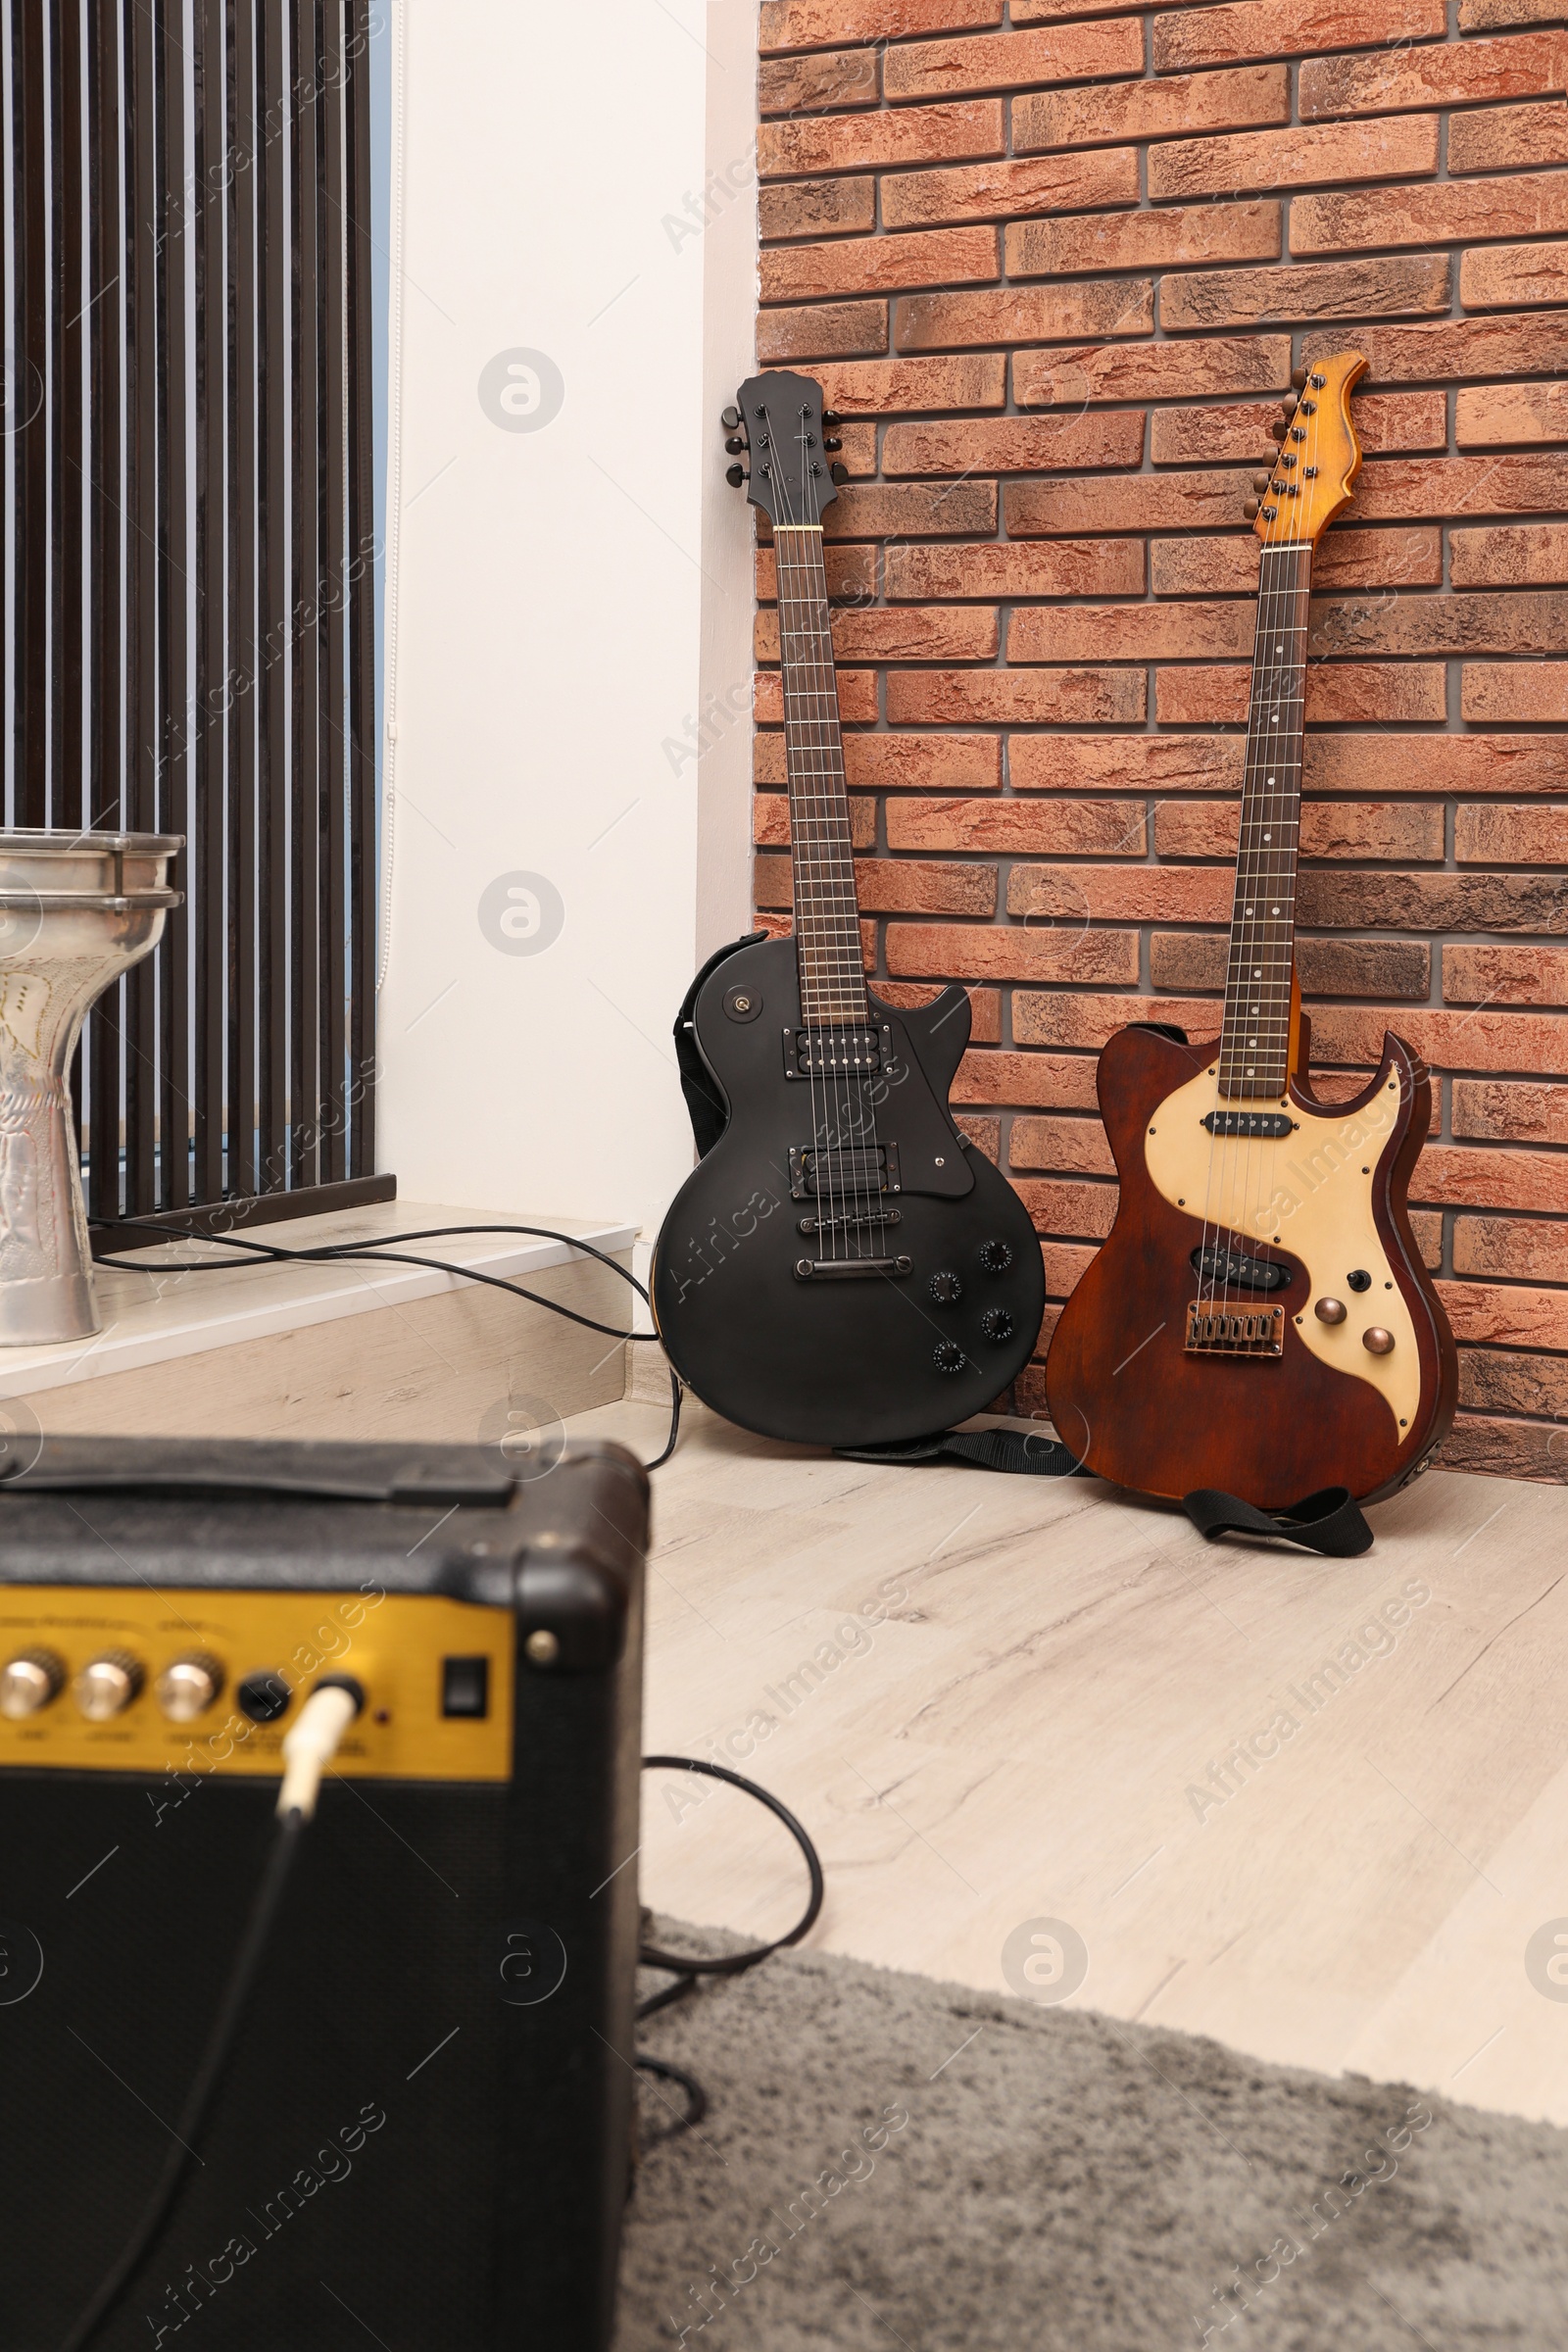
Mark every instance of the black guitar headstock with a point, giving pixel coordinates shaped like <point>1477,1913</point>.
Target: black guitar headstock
<point>781,420</point>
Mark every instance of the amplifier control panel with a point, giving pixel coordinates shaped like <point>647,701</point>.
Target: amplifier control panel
<point>194,1682</point>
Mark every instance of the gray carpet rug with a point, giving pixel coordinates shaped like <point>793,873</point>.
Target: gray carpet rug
<point>892,2161</point>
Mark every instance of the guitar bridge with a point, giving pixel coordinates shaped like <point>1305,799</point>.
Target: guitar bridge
<point>870,1216</point>
<point>1234,1331</point>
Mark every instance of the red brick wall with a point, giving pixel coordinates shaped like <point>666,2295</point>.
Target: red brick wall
<point>1062,270</point>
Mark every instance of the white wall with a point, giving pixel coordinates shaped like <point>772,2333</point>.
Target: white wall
<point>567,598</point>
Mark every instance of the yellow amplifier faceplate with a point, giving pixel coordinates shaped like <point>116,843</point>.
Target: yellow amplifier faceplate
<point>414,1654</point>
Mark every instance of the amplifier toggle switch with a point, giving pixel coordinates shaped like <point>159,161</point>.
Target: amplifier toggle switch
<point>29,1683</point>
<point>107,1685</point>
<point>189,1687</point>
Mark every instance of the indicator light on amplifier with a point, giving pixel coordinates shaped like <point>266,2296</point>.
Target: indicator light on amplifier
<point>189,1687</point>
<point>29,1683</point>
<point>107,1685</point>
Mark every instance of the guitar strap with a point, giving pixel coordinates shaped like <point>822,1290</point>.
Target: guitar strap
<point>1328,1522</point>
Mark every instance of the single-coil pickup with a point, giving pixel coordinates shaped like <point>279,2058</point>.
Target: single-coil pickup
<point>835,1053</point>
<point>836,1174</point>
<point>1248,1123</point>
<point>1232,1331</point>
<point>1233,1269</point>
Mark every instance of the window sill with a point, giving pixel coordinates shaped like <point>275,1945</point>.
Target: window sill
<point>154,1313</point>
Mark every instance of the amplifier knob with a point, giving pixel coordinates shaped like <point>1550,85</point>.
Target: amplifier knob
<point>996,1323</point>
<point>996,1256</point>
<point>29,1683</point>
<point>1330,1311</point>
<point>949,1356</point>
<point>1376,1340</point>
<point>106,1687</point>
<point>189,1687</point>
<point>944,1288</point>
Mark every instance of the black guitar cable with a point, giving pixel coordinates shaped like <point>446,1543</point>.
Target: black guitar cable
<point>308,1750</point>
<point>310,1747</point>
<point>378,1250</point>
<point>688,1967</point>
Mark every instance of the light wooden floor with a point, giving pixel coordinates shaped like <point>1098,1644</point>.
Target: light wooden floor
<point>1018,1739</point>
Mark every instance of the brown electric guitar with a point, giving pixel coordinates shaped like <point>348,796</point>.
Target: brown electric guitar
<point>1259,1320</point>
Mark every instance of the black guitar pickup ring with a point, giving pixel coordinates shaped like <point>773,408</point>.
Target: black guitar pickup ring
<point>831,1051</point>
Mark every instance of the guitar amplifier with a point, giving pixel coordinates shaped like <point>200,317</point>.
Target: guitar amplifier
<point>424,2137</point>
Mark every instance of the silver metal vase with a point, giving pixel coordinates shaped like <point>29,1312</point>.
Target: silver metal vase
<point>77,909</point>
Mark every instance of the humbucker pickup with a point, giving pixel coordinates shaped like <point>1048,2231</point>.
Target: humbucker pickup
<point>1232,1269</point>
<point>834,1052</point>
<point>1234,1331</point>
<point>843,1175</point>
<point>1248,1123</point>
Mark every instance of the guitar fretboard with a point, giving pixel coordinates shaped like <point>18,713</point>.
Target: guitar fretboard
<point>827,919</point>
<point>1255,1042</point>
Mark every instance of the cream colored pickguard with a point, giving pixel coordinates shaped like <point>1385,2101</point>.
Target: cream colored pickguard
<point>1311,1192</point>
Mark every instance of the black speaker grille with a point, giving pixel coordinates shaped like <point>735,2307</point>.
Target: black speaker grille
<point>348,2188</point>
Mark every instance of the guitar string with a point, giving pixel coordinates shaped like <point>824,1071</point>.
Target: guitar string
<point>835,856</point>
<point>815,1175</point>
<point>1234,1150</point>
<point>1280,805</point>
<point>1266,814</point>
<point>1273,688</point>
<point>837,1137</point>
<point>1219,1202</point>
<point>1232,1172</point>
<point>854,1093</point>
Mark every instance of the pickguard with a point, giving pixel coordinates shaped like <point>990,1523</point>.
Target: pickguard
<point>1310,1192</point>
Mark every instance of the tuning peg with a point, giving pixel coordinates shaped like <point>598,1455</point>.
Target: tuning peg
<point>830,419</point>
<point>831,445</point>
<point>840,474</point>
<point>1279,430</point>
<point>735,446</point>
<point>730,420</point>
<point>1250,508</point>
<point>1287,409</point>
<point>735,476</point>
<point>1299,376</point>
<point>1260,482</point>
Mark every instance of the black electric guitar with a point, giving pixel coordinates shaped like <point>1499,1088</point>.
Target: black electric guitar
<point>843,1267</point>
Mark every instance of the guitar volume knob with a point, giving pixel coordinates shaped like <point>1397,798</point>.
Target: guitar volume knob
<point>996,1323</point>
<point>949,1356</point>
<point>946,1288</point>
<point>996,1256</point>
